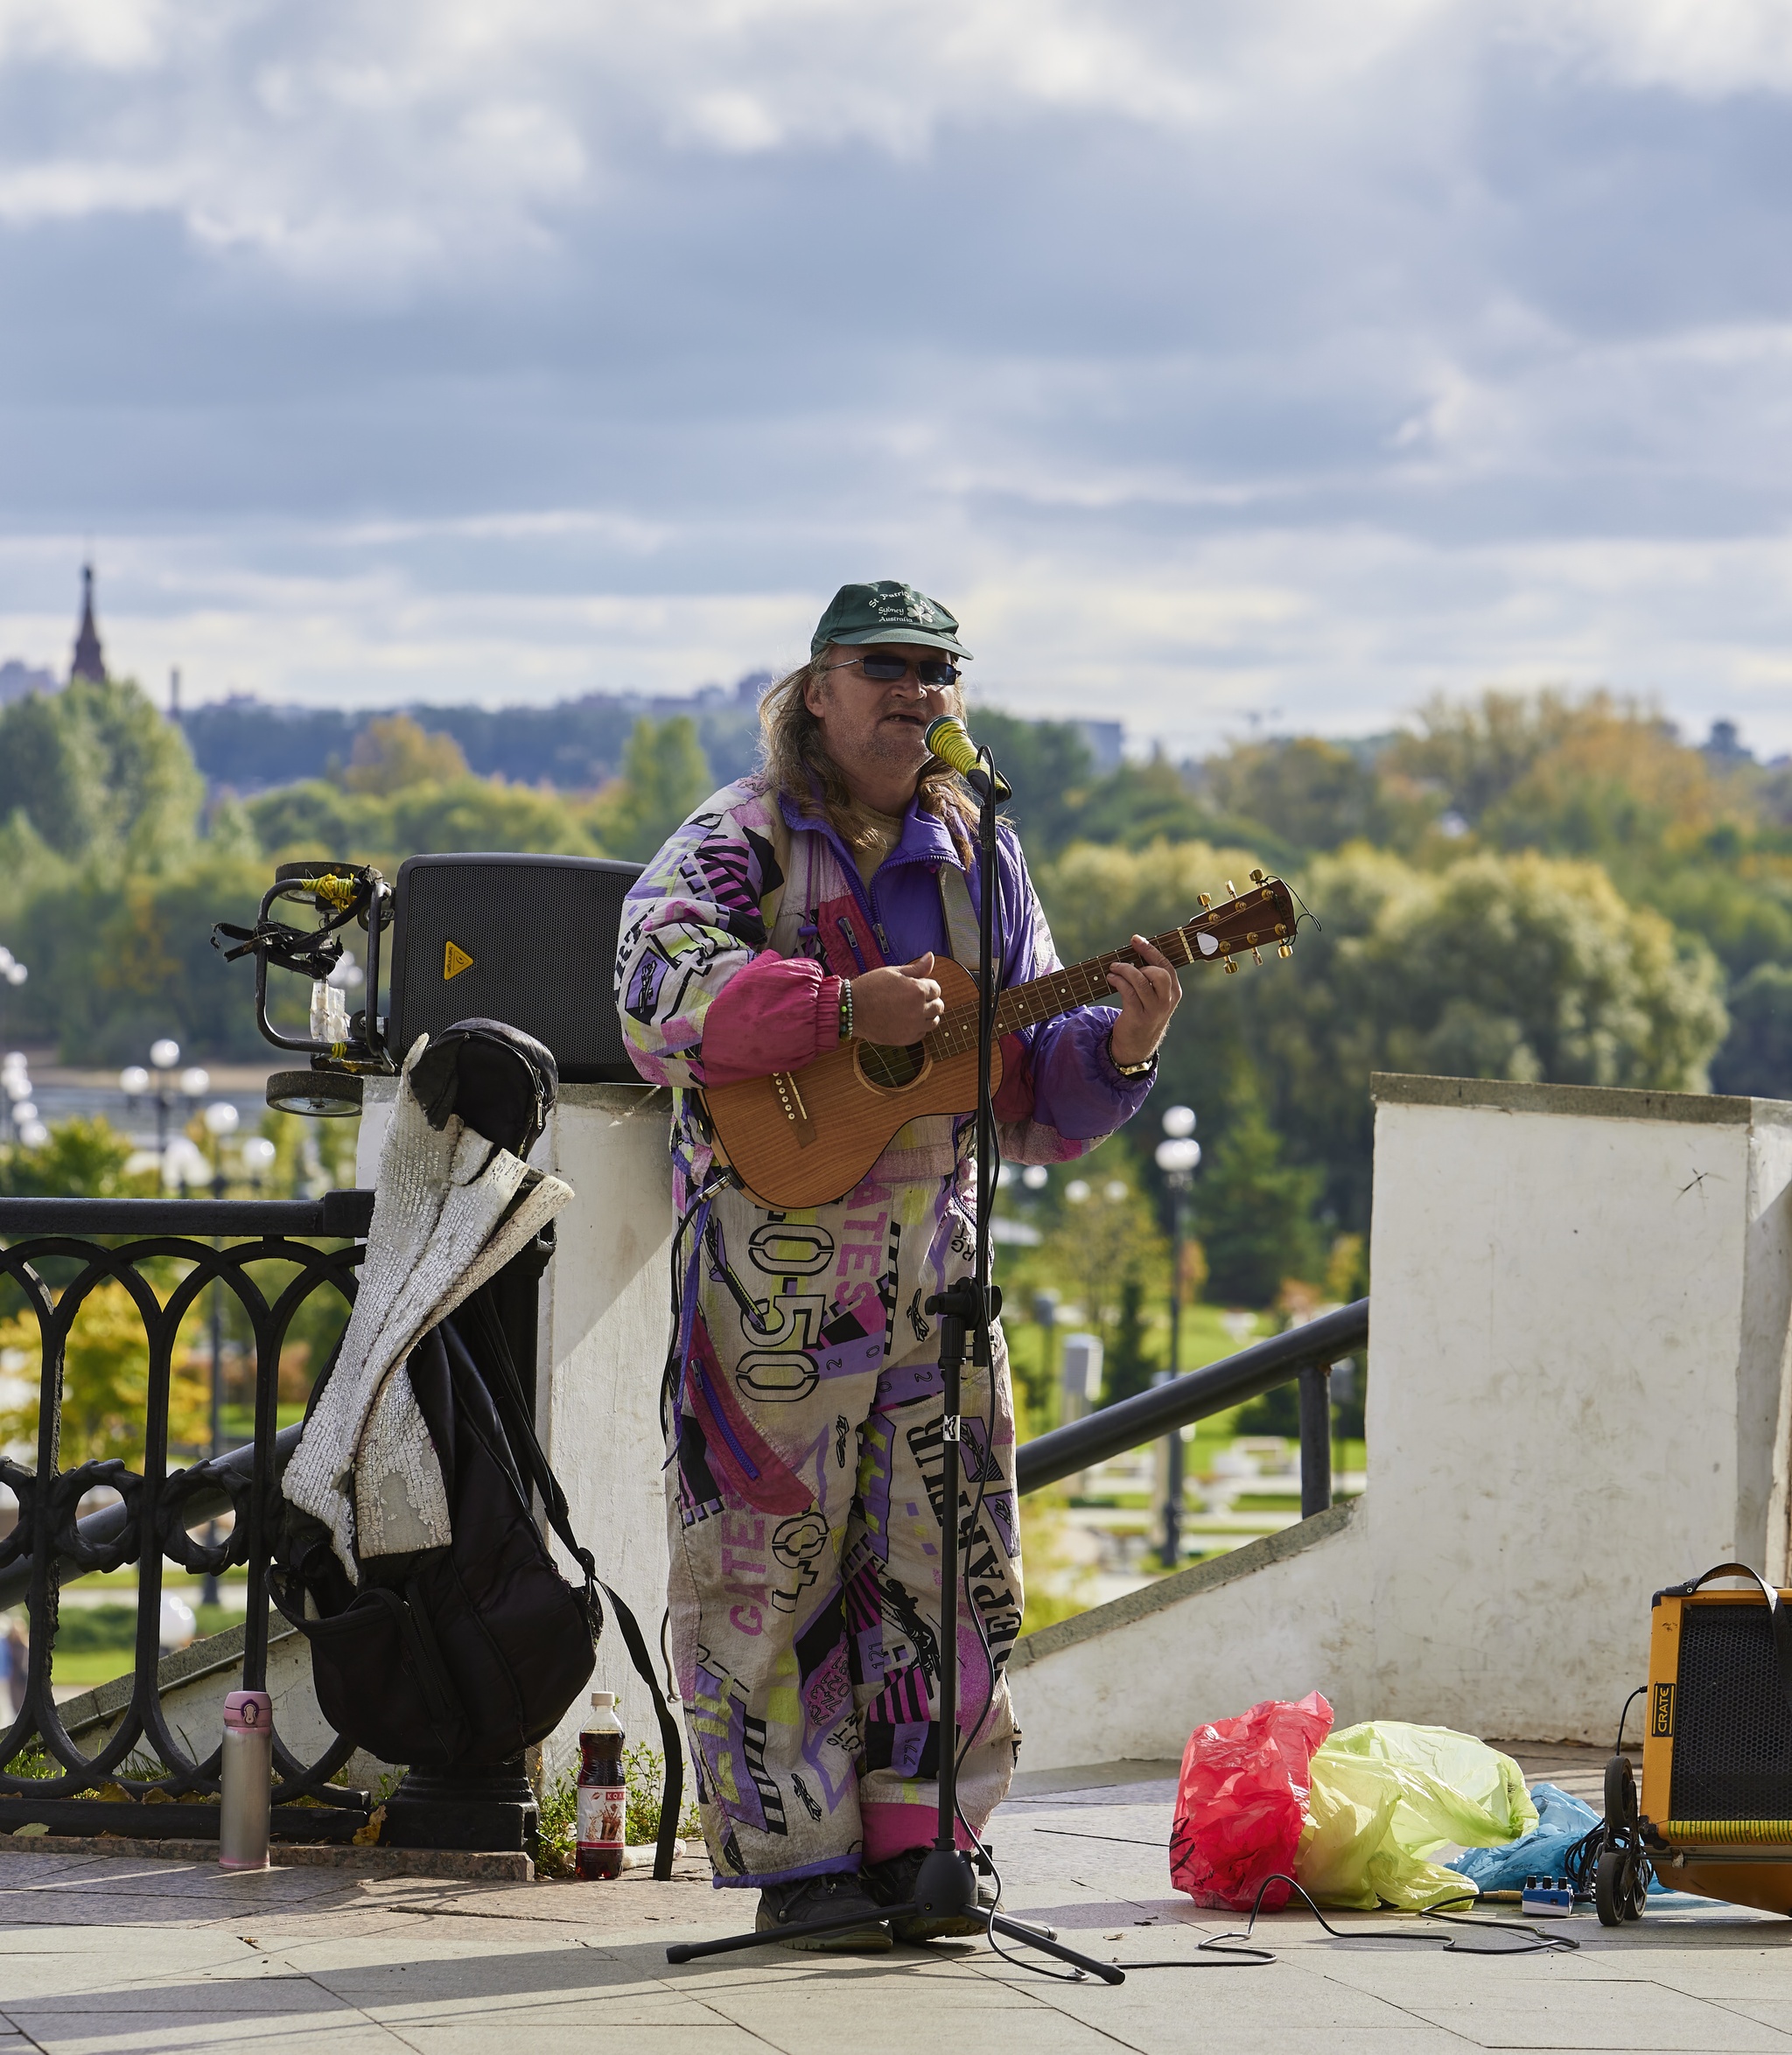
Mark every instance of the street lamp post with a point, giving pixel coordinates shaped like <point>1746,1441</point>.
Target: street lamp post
<point>220,1119</point>
<point>17,1110</point>
<point>135,1082</point>
<point>12,976</point>
<point>1178,1156</point>
<point>1045,1312</point>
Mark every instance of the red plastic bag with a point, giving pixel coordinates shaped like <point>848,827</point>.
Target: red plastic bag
<point>1241,1802</point>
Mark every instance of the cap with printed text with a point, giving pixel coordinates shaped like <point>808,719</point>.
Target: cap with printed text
<point>887,610</point>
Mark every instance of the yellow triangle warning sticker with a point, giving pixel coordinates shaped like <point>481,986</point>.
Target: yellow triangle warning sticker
<point>454,961</point>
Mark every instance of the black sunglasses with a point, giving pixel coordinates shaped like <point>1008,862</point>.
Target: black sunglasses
<point>934,672</point>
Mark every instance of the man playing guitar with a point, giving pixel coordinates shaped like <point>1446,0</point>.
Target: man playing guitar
<point>800,907</point>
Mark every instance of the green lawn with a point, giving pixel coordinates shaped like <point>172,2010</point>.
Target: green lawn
<point>96,1643</point>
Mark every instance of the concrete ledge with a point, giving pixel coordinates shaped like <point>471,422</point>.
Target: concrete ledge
<point>480,1866</point>
<point>1092,1777</point>
<point>1596,1101</point>
<point>1183,1584</point>
<point>186,1666</point>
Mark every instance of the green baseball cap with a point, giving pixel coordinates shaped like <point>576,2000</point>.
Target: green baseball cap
<point>886,612</point>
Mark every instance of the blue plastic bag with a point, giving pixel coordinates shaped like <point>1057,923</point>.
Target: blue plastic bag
<point>1562,1819</point>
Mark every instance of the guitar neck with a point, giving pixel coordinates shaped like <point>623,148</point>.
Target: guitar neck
<point>1044,998</point>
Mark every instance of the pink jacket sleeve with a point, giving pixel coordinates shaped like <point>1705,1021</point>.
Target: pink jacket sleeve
<point>775,1013</point>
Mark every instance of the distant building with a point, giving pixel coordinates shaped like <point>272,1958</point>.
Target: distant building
<point>1106,740</point>
<point>17,679</point>
<point>89,658</point>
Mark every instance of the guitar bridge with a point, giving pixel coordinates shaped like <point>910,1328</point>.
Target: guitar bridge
<point>790,1098</point>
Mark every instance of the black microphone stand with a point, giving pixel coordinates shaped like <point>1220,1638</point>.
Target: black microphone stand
<point>946,1887</point>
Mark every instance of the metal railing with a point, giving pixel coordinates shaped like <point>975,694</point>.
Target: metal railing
<point>157,1509</point>
<point>1306,1353</point>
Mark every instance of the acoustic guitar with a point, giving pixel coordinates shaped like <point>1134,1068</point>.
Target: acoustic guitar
<point>806,1137</point>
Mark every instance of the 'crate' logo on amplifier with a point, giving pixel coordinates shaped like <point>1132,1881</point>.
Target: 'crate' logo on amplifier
<point>1661,1713</point>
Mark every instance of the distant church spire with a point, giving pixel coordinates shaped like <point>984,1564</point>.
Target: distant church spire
<point>89,658</point>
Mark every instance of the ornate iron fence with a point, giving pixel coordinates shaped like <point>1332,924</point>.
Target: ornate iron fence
<point>157,1509</point>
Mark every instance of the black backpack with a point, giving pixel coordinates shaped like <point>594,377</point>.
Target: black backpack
<point>467,1654</point>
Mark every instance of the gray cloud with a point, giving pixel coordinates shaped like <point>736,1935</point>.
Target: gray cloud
<point>1211,358</point>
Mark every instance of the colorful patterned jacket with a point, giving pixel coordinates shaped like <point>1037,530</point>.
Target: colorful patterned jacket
<point>733,943</point>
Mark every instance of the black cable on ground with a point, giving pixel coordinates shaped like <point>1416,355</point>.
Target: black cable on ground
<point>1240,1946</point>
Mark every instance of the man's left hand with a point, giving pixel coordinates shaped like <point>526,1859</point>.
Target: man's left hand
<point>1149,992</point>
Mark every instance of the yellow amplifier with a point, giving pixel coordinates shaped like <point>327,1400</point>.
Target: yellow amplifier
<point>1714,1815</point>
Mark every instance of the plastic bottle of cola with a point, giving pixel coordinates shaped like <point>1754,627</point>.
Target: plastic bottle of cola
<point>602,1792</point>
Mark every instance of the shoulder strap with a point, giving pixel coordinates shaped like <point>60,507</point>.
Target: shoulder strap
<point>795,906</point>
<point>514,1409</point>
<point>961,919</point>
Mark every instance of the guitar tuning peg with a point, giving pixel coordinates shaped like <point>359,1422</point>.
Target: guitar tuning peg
<point>1231,889</point>
<point>1204,899</point>
<point>1256,955</point>
<point>1231,965</point>
<point>1257,877</point>
<point>1285,949</point>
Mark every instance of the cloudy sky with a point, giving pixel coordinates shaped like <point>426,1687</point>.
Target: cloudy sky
<point>1215,359</point>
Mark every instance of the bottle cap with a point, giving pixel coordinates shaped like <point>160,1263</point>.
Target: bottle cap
<point>603,1698</point>
<point>250,1710</point>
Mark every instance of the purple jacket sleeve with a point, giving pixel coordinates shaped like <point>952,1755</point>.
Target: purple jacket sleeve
<point>1078,1098</point>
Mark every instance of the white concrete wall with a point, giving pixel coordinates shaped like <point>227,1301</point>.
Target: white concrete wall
<point>605,1328</point>
<point>1129,1681</point>
<point>1579,1393</point>
<point>602,1340</point>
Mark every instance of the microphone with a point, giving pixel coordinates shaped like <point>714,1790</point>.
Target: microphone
<point>949,740</point>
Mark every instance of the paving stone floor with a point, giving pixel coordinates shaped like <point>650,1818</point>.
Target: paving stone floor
<point>133,1954</point>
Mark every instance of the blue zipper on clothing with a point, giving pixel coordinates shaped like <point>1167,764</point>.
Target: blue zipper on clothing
<point>721,1420</point>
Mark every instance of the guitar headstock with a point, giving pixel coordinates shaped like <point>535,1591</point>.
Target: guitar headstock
<point>1261,915</point>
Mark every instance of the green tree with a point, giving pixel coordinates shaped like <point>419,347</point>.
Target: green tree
<point>1139,804</point>
<point>392,754</point>
<point>1309,793</point>
<point>1521,966</point>
<point>315,819</point>
<point>485,814</point>
<point>1049,765</point>
<point>1493,965</point>
<point>1756,1061</point>
<point>1128,1361</point>
<point>664,775</point>
<point>105,1383</point>
<point>1255,1211</point>
<point>100,775</point>
<point>1102,1242</point>
<point>115,965</point>
<point>82,1159</point>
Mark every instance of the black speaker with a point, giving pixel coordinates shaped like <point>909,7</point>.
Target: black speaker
<point>527,939</point>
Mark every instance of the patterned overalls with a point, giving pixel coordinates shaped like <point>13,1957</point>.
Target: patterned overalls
<point>804,1476</point>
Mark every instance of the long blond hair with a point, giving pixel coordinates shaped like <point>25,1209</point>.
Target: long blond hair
<point>793,759</point>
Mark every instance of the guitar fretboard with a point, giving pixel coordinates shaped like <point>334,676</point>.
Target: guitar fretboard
<point>1044,998</point>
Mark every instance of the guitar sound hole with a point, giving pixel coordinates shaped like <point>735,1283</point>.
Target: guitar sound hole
<point>892,1068</point>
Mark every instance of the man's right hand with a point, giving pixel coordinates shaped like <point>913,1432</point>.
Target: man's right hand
<point>898,1003</point>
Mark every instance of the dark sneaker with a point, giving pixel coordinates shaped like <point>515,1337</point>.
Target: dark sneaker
<point>824,1898</point>
<point>892,1883</point>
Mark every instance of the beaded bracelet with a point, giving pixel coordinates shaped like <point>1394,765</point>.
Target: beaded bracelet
<point>845,1009</point>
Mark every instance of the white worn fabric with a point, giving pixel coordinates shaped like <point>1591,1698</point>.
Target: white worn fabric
<point>450,1211</point>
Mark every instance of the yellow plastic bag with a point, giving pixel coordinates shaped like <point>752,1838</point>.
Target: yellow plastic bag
<point>1386,1795</point>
